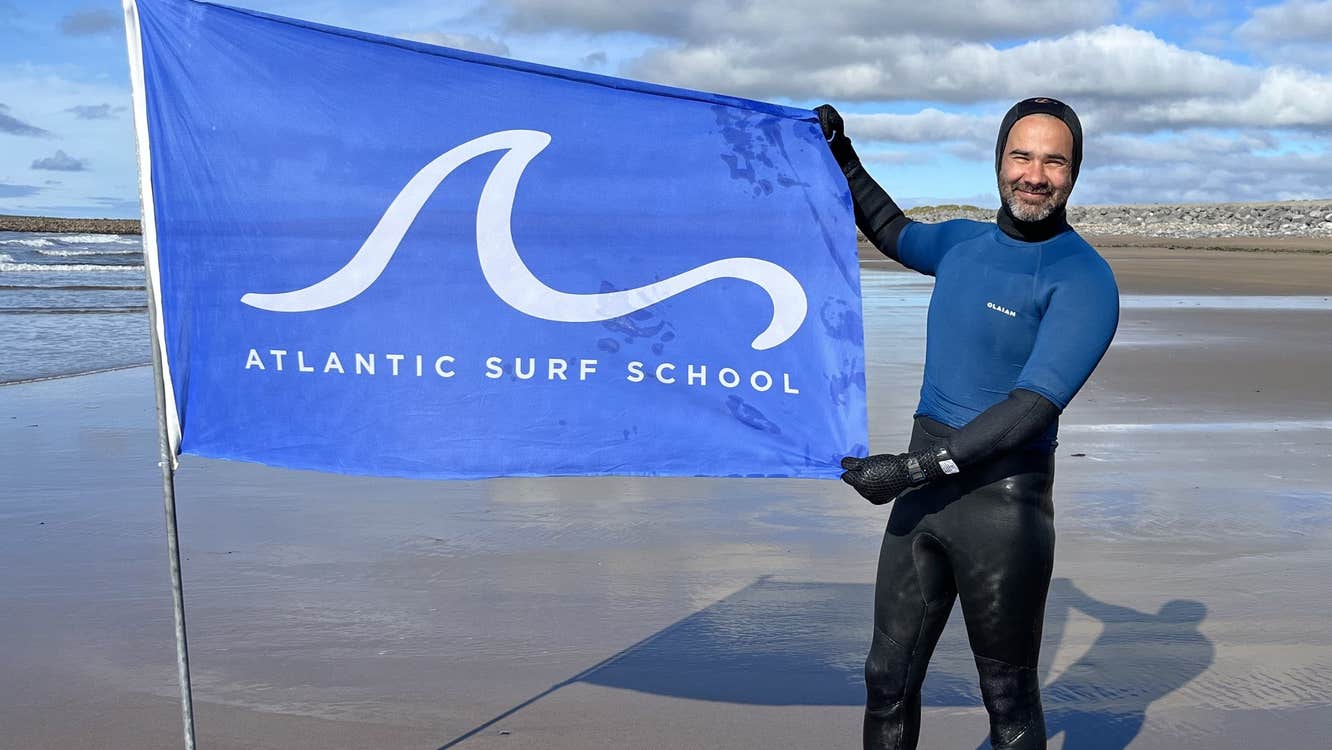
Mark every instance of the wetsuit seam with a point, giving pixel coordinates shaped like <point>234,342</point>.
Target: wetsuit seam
<point>889,638</point>
<point>937,541</point>
<point>1001,661</point>
<point>1015,424</point>
<point>911,660</point>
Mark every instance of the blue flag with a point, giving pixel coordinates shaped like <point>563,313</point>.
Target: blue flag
<point>373,256</point>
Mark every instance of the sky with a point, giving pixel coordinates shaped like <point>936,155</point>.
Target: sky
<point>1181,101</point>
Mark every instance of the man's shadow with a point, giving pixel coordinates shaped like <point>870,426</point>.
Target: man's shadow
<point>780,643</point>
<point>1100,701</point>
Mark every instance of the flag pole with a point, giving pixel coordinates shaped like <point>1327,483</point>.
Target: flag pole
<point>168,424</point>
<point>166,460</point>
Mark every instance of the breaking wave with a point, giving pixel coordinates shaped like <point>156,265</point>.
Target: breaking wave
<point>79,253</point>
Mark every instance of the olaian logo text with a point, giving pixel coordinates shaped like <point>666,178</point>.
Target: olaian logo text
<point>1002,309</point>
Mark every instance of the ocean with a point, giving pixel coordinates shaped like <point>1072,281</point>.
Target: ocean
<point>70,304</point>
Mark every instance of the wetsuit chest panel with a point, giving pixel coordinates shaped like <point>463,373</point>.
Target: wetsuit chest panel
<point>983,319</point>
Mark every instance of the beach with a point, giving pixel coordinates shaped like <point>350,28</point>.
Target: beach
<point>1193,502</point>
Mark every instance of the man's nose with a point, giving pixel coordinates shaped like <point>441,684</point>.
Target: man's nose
<point>1034,173</point>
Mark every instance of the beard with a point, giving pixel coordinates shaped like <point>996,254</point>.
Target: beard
<point>1023,210</point>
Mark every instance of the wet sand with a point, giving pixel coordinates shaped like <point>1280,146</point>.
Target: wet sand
<point>1194,511</point>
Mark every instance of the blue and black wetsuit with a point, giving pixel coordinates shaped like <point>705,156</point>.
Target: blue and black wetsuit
<point>1020,315</point>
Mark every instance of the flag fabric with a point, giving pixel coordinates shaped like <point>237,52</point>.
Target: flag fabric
<point>373,256</point>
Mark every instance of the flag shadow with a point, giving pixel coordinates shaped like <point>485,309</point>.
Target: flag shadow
<point>780,643</point>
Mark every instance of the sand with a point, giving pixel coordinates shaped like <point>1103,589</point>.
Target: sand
<point>1194,512</point>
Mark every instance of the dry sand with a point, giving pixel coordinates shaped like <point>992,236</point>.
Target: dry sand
<point>1194,509</point>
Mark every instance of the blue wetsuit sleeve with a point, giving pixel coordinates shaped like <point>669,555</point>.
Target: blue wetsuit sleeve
<point>921,246</point>
<point>1081,315</point>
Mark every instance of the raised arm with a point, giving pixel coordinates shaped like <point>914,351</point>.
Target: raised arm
<point>877,216</point>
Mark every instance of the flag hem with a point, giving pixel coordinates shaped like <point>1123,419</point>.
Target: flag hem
<point>148,222</point>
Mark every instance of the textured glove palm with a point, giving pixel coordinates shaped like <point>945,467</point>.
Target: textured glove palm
<point>834,132</point>
<point>881,478</point>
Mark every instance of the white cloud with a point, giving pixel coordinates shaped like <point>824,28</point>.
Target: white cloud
<point>1188,147</point>
<point>47,93</point>
<point>95,111</point>
<point>14,126</point>
<point>1282,98</point>
<point>1293,33</point>
<point>894,158</point>
<point>702,21</point>
<point>1288,177</point>
<point>1201,166</point>
<point>468,42</point>
<point>91,21</point>
<point>60,162</point>
<point>1113,62</point>
<point>1295,21</point>
<point>927,126</point>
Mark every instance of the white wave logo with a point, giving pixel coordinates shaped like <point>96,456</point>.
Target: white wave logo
<point>505,271</point>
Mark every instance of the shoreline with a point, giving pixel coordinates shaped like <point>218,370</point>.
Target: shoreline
<point>1140,269</point>
<point>1262,226</point>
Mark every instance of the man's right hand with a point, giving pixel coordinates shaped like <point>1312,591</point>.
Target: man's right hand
<point>834,131</point>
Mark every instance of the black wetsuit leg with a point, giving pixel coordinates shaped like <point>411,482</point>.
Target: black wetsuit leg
<point>985,536</point>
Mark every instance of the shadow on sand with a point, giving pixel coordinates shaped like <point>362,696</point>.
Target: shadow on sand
<point>778,643</point>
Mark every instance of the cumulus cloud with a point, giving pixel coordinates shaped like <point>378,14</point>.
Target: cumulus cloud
<point>927,126</point>
<point>1300,20</point>
<point>594,60</point>
<point>1121,78</point>
<point>61,162</point>
<point>1198,166</point>
<point>710,21</point>
<point>1271,178</point>
<point>1112,62</point>
<point>1292,33</point>
<point>894,158</point>
<point>14,126</point>
<point>468,42</point>
<point>95,111</point>
<point>1280,98</point>
<point>90,21</point>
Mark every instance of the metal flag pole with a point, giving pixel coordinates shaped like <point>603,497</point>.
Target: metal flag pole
<point>166,459</point>
<point>168,427</point>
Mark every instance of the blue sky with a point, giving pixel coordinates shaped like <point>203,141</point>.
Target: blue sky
<point>1182,101</point>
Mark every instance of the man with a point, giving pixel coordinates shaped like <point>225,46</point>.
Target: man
<point>1021,313</point>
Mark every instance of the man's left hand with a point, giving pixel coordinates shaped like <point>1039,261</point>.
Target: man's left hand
<point>881,478</point>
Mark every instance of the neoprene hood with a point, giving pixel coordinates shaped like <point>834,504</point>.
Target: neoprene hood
<point>1041,105</point>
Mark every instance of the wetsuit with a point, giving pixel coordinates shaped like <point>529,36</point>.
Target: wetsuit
<point>1020,315</point>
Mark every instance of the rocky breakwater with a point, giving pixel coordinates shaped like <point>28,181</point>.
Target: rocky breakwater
<point>77,226</point>
<point>1283,219</point>
<point>1197,220</point>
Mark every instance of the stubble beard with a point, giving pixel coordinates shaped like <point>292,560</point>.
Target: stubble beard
<point>1023,211</point>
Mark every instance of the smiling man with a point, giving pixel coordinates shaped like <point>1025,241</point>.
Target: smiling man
<point>1022,312</point>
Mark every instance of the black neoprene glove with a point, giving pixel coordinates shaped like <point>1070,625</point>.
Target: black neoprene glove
<point>881,478</point>
<point>834,131</point>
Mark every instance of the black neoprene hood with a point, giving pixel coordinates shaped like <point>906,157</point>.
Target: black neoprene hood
<point>1041,105</point>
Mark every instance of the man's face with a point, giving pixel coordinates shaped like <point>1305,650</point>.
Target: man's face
<point>1036,172</point>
